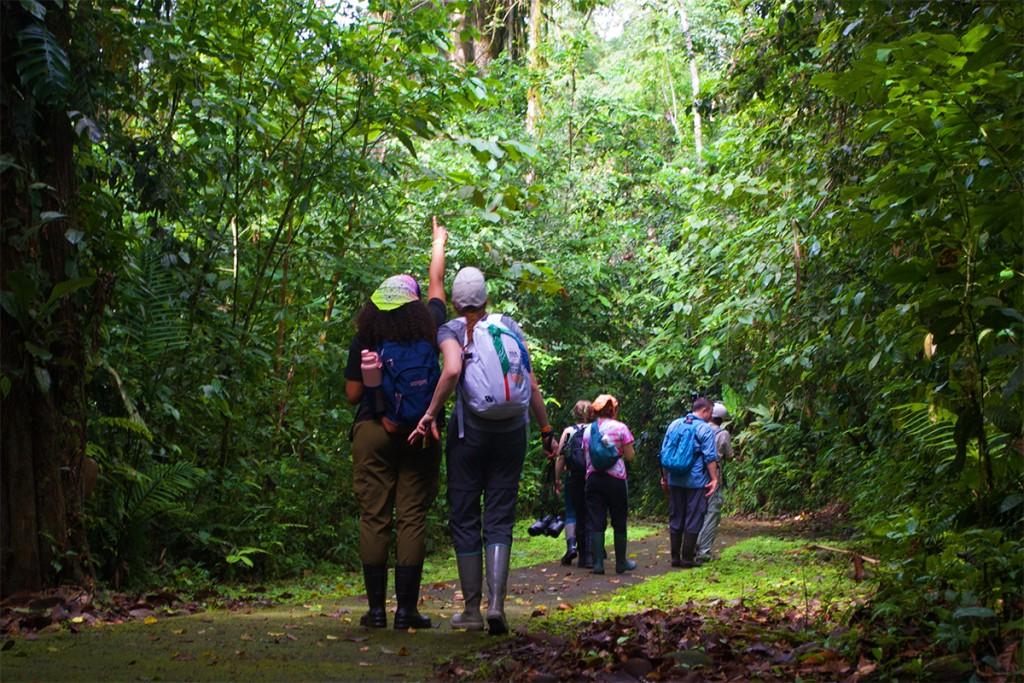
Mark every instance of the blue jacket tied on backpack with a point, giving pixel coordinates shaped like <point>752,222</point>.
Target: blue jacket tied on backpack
<point>688,446</point>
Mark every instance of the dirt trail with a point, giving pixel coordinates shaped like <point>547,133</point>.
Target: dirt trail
<point>319,642</point>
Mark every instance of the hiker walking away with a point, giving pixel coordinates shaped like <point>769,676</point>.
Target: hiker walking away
<point>571,474</point>
<point>608,445</point>
<point>390,376</point>
<point>486,360</point>
<point>689,473</point>
<point>723,446</point>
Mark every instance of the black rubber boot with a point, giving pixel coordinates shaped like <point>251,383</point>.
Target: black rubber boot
<point>375,579</point>
<point>571,551</point>
<point>471,578</point>
<point>586,549</point>
<point>622,562</point>
<point>597,547</point>
<point>689,548</point>
<point>497,585</point>
<point>407,592</point>
<point>676,538</point>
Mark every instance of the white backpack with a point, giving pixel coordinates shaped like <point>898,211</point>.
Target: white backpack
<point>495,382</point>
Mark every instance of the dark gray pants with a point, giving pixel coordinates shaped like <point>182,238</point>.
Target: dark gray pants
<point>487,464</point>
<point>686,508</point>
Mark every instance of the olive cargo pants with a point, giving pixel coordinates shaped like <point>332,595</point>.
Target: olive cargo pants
<point>395,484</point>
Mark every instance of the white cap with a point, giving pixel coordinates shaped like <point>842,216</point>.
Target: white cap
<point>719,411</point>
<point>469,289</point>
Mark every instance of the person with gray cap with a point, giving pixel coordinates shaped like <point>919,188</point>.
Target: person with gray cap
<point>487,365</point>
<point>723,444</point>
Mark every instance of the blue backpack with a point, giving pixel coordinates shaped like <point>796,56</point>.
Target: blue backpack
<point>409,374</point>
<point>603,455</point>
<point>679,449</point>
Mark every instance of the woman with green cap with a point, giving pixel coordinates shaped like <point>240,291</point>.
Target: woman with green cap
<point>390,376</point>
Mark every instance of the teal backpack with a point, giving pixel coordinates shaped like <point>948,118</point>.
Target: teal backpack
<point>679,450</point>
<point>603,455</point>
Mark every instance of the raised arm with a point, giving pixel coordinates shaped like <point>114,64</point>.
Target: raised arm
<point>435,288</point>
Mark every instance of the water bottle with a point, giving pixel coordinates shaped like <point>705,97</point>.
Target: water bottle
<point>369,364</point>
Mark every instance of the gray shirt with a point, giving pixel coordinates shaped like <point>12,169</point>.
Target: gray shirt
<point>456,330</point>
<point>723,443</point>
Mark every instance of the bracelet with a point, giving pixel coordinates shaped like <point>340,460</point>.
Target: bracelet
<point>547,429</point>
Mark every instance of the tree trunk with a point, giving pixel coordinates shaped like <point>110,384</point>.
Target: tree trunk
<point>43,410</point>
<point>698,137</point>
<point>535,64</point>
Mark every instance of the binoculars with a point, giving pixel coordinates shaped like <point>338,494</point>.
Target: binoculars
<point>551,525</point>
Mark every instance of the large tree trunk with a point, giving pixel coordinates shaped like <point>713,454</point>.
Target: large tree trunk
<point>43,410</point>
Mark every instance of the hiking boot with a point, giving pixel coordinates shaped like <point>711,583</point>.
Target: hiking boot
<point>497,585</point>
<point>676,539</point>
<point>471,573</point>
<point>689,548</point>
<point>622,562</point>
<point>597,547</point>
<point>571,551</point>
<point>407,592</point>
<point>375,579</point>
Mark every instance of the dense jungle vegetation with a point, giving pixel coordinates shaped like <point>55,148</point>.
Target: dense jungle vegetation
<point>810,209</point>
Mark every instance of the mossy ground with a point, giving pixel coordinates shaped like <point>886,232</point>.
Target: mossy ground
<point>317,636</point>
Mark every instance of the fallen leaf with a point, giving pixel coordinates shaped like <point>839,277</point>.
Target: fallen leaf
<point>178,631</point>
<point>330,637</point>
<point>150,620</point>
<point>403,651</point>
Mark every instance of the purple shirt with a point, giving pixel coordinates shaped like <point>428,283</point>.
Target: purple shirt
<point>616,433</point>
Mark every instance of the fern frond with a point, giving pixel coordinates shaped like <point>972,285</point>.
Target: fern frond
<point>161,490</point>
<point>929,427</point>
<point>127,425</point>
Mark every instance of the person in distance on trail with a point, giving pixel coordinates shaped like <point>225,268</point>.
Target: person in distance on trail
<point>723,446</point>
<point>390,376</point>
<point>486,359</point>
<point>608,445</point>
<point>691,442</point>
<point>571,475</point>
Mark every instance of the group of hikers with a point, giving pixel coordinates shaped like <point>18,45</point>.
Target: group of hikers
<point>393,378</point>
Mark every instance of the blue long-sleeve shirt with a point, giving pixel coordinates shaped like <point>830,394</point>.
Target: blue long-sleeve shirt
<point>704,441</point>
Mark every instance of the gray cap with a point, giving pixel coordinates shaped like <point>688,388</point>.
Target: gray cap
<point>469,289</point>
<point>719,411</point>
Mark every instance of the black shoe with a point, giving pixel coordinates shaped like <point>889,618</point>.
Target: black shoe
<point>407,592</point>
<point>571,551</point>
<point>375,579</point>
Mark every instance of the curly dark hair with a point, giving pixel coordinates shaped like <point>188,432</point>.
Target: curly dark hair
<point>408,322</point>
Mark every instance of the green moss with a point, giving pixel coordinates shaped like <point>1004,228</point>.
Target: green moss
<point>761,570</point>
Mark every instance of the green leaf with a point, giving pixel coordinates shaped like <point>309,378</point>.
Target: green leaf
<point>973,613</point>
<point>42,376</point>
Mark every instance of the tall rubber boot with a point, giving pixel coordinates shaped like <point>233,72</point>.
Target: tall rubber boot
<point>375,579</point>
<point>622,562</point>
<point>407,592</point>
<point>688,550</point>
<point>497,585</point>
<point>571,545</point>
<point>676,538</point>
<point>597,548</point>
<point>471,577</point>
<point>586,550</point>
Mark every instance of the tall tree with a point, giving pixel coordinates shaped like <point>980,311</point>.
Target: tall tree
<point>698,135</point>
<point>45,322</point>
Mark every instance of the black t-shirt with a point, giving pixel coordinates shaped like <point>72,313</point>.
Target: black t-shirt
<point>365,409</point>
